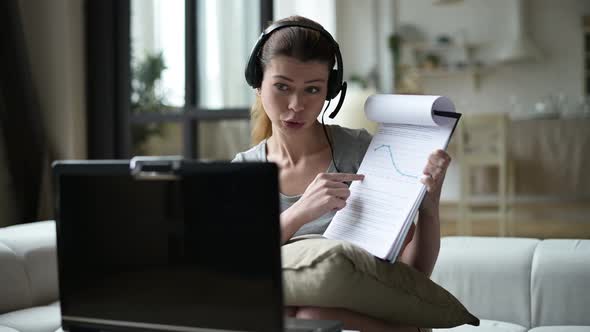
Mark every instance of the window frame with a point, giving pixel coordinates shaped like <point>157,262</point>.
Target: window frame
<point>109,117</point>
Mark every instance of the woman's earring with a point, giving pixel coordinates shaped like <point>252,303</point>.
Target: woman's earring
<point>257,91</point>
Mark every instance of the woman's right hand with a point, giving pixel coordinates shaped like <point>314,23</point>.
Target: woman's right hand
<point>327,192</point>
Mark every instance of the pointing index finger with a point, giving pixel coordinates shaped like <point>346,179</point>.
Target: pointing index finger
<point>345,177</point>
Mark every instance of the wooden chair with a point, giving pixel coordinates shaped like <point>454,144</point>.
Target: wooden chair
<point>482,145</point>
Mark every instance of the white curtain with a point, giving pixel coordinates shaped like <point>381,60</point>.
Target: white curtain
<point>227,31</point>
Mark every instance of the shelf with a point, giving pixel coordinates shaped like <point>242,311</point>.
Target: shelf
<point>474,71</point>
<point>444,73</point>
<point>448,60</point>
<point>431,47</point>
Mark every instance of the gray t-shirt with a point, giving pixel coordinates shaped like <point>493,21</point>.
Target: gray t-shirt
<point>349,147</point>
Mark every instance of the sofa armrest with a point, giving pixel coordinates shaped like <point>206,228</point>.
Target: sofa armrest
<point>490,276</point>
<point>28,266</point>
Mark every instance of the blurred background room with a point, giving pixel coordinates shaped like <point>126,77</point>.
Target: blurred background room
<point>107,79</point>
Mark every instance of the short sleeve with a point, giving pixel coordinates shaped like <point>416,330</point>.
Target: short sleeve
<point>238,158</point>
<point>255,154</point>
<point>350,146</point>
<point>364,139</point>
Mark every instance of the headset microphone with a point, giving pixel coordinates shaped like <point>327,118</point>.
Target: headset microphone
<point>340,101</point>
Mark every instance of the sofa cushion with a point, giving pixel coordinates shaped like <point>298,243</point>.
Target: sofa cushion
<point>7,329</point>
<point>560,283</point>
<point>36,319</point>
<point>486,326</point>
<point>332,273</point>
<point>561,329</point>
<point>490,276</point>
<point>14,285</point>
<point>28,265</point>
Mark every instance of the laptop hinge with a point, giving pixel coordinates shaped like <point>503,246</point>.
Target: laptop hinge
<point>156,168</point>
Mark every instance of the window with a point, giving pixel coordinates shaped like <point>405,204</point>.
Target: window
<point>188,95</point>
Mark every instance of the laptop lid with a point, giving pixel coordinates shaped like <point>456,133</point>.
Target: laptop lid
<point>171,246</point>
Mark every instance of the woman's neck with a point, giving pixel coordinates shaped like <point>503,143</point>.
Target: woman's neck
<point>290,150</point>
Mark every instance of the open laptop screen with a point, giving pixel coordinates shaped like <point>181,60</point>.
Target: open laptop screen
<point>198,251</point>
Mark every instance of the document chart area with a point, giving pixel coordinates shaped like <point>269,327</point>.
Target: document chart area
<point>383,204</point>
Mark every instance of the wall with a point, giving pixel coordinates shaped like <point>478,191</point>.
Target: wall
<point>319,11</point>
<point>363,28</point>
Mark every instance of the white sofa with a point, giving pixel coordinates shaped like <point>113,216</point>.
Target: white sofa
<point>511,284</point>
<point>28,278</point>
<point>518,284</point>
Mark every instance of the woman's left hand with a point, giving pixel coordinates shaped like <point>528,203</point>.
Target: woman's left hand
<point>434,175</point>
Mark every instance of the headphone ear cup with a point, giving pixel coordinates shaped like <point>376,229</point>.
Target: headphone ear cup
<point>254,74</point>
<point>333,85</point>
<point>257,75</point>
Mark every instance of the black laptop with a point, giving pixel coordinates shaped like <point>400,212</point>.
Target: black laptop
<point>170,245</point>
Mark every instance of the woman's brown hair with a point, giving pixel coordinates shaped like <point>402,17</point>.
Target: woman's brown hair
<point>297,42</point>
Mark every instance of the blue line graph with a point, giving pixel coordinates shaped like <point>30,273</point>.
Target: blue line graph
<point>393,161</point>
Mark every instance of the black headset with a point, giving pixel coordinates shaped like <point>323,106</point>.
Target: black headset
<point>254,70</point>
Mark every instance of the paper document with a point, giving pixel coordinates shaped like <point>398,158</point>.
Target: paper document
<point>382,207</point>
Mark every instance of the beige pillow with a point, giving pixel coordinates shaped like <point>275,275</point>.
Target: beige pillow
<point>330,273</point>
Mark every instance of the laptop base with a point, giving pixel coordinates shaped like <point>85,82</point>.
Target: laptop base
<point>310,325</point>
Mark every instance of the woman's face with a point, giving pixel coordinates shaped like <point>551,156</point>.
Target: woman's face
<point>293,93</point>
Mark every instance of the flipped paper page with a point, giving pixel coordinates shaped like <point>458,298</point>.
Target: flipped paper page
<point>382,207</point>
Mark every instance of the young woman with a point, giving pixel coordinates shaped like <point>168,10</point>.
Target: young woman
<point>291,68</point>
